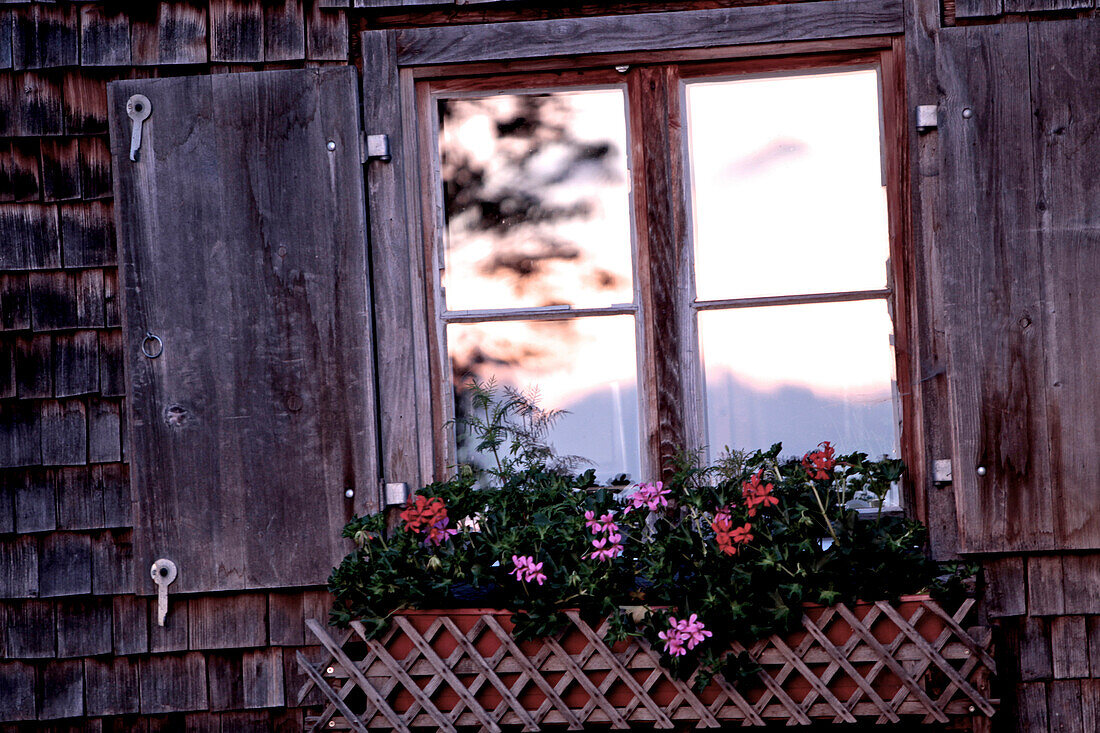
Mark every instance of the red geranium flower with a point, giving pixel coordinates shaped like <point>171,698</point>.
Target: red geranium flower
<point>756,493</point>
<point>818,463</point>
<point>423,513</point>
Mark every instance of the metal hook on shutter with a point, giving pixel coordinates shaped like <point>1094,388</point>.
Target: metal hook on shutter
<point>158,346</point>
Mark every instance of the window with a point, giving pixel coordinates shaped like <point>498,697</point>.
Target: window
<point>681,255</point>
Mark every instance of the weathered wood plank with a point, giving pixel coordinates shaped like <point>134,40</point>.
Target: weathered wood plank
<point>1040,6</point>
<point>1065,118</point>
<point>112,562</point>
<point>25,174</point>
<point>95,171</point>
<point>104,431</point>
<point>236,31</point>
<point>53,300</point>
<point>111,375</point>
<point>36,104</point>
<point>246,679</point>
<point>7,378</point>
<point>87,234</point>
<point>1006,586</point>
<point>1069,647</point>
<point>64,564</point>
<point>75,363</point>
<point>130,624</point>
<point>60,169</point>
<point>84,627</point>
<point>1045,586</point>
<point>172,683</point>
<point>228,622</point>
<point>226,680</point>
<point>45,36</point>
<point>31,234</point>
<point>33,366</point>
<point>284,31</point>
<point>63,427</point>
<point>645,31</point>
<point>392,268</point>
<point>290,370</point>
<point>17,690</point>
<point>84,102</point>
<point>19,567</point>
<point>5,39</point>
<point>168,33</point>
<point>20,441</point>
<point>172,636</point>
<point>978,8</point>
<point>29,630</point>
<point>34,499</point>
<point>88,286</point>
<point>656,126</point>
<point>991,277</point>
<point>1079,579</point>
<point>111,686</point>
<point>1034,649</point>
<point>326,34</point>
<point>1066,715</point>
<point>15,304</point>
<point>61,690</point>
<point>104,36</point>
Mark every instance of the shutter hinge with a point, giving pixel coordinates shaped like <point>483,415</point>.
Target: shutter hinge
<point>941,471</point>
<point>928,117</point>
<point>396,493</point>
<point>376,147</point>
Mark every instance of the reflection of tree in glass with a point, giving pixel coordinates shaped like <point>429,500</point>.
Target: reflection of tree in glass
<point>522,182</point>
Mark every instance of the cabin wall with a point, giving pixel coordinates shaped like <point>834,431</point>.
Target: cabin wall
<point>76,642</point>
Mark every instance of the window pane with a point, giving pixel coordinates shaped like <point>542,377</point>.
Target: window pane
<point>800,375</point>
<point>583,365</point>
<point>787,185</point>
<point>536,199</point>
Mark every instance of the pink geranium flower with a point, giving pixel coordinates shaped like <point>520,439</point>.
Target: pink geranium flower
<point>527,570</point>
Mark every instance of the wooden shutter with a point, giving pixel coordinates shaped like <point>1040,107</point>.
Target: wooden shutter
<point>242,249</point>
<point>1017,228</point>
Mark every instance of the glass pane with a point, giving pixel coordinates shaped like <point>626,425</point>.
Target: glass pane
<point>536,200</point>
<point>787,185</point>
<point>583,365</point>
<point>800,375</point>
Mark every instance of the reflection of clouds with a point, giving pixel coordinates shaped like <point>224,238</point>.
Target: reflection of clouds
<point>771,153</point>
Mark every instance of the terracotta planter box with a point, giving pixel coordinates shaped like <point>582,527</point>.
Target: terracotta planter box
<point>456,668</point>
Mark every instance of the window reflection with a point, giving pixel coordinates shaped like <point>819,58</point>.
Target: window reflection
<point>800,374</point>
<point>787,184</point>
<point>536,200</point>
<point>585,366</point>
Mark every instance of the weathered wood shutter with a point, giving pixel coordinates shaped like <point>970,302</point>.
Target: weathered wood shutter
<point>1018,228</point>
<point>243,251</point>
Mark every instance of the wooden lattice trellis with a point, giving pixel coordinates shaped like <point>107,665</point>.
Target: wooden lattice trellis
<point>449,670</point>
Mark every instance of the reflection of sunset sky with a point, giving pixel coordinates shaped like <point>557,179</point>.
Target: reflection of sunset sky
<point>787,199</point>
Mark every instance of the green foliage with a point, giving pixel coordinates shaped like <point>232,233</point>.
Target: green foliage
<point>811,546</point>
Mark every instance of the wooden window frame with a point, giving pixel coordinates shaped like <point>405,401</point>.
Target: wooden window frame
<point>776,38</point>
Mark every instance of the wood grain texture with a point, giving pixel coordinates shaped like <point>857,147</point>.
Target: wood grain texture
<point>83,627</point>
<point>60,690</point>
<point>284,31</point>
<point>95,169</point>
<point>391,265</point>
<point>104,36</point>
<point>19,567</point>
<point>236,31</point>
<point>44,36</point>
<point>84,101</point>
<point>28,630</point>
<point>63,428</point>
<point>1006,586</point>
<point>75,363</point>
<point>112,562</point>
<point>1040,6</point>
<point>15,306</point>
<point>34,499</point>
<point>33,366</point>
<point>326,33</point>
<point>1045,586</point>
<point>111,381</point>
<point>978,8</point>
<point>104,429</point>
<point>991,273</point>
<point>111,686</point>
<point>163,33</point>
<point>173,682</point>
<point>273,399</point>
<point>130,625</point>
<point>1080,573</point>
<point>1069,647</point>
<point>1034,649</point>
<point>64,564</point>
<point>1066,116</point>
<point>690,29</point>
<point>663,263</point>
<point>31,232</point>
<point>24,171</point>
<point>1064,702</point>
<point>87,234</point>
<point>35,104</point>
<point>225,622</point>
<point>60,169</point>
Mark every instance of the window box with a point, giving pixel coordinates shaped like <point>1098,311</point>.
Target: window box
<point>871,662</point>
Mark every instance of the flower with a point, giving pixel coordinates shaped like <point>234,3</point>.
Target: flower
<point>471,524</point>
<point>423,513</point>
<point>689,632</point>
<point>610,545</point>
<point>650,496</point>
<point>727,536</point>
<point>742,535</point>
<point>756,493</point>
<point>527,569</point>
<point>818,463</point>
<point>438,532</point>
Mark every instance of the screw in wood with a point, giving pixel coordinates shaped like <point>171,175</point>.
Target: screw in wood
<point>981,470</point>
<point>967,113</point>
<point>349,493</point>
<point>331,145</point>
